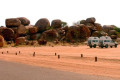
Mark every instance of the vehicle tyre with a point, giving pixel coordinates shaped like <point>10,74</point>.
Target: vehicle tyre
<point>94,46</point>
<point>90,46</point>
<point>101,46</point>
<point>111,46</point>
<point>106,46</point>
<point>115,45</point>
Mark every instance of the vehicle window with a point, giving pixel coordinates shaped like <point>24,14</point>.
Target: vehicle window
<point>105,40</point>
<point>93,40</point>
<point>111,41</point>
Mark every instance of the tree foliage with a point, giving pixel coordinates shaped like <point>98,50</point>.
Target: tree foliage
<point>117,29</point>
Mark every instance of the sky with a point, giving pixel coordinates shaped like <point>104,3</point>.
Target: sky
<point>106,12</point>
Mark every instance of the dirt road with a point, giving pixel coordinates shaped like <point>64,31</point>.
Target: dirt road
<point>15,71</point>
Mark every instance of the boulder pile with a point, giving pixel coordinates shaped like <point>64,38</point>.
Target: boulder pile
<point>16,27</point>
<point>20,31</point>
<point>90,23</point>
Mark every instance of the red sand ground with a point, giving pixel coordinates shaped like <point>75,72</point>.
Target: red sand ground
<point>108,59</point>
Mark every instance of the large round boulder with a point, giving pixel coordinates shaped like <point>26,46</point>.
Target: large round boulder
<point>8,34</point>
<point>56,23</point>
<point>12,22</point>
<point>20,40</point>
<point>75,31</point>
<point>86,30</point>
<point>51,34</point>
<point>42,24</point>
<point>98,26</point>
<point>1,41</point>
<point>24,21</point>
<point>1,30</point>
<point>90,20</point>
<point>21,30</point>
<point>107,28</point>
<point>33,30</point>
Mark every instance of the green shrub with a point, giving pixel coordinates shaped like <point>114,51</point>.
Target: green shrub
<point>117,29</point>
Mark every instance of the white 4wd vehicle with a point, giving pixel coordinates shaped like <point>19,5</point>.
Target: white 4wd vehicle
<point>93,42</point>
<point>104,41</point>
